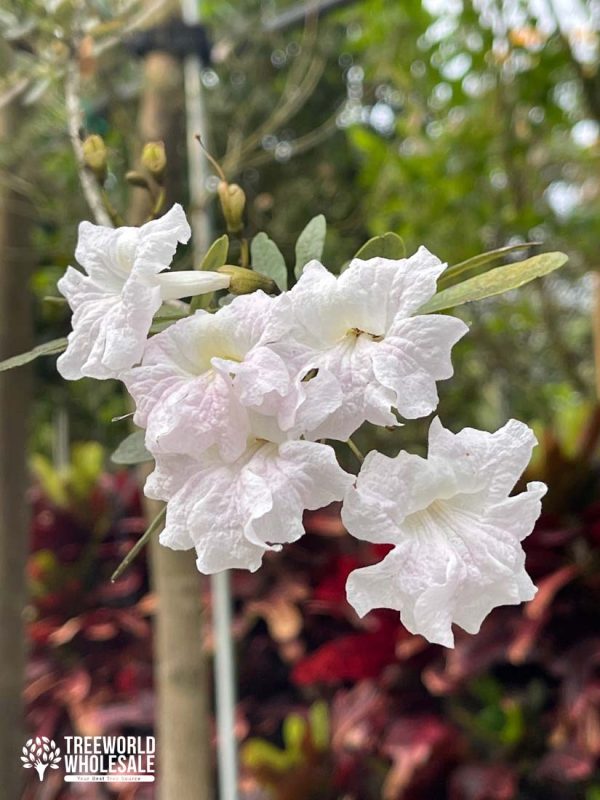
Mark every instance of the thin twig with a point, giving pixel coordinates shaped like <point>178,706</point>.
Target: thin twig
<point>14,91</point>
<point>138,20</point>
<point>141,542</point>
<point>301,144</point>
<point>90,188</point>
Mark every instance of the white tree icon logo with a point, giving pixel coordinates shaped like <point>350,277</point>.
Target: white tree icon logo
<point>40,753</point>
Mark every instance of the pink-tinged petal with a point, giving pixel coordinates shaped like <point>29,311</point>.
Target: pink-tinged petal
<point>413,356</point>
<point>233,512</point>
<point>109,333</point>
<point>202,377</point>
<point>185,407</point>
<point>261,379</point>
<point>457,551</point>
<point>363,399</point>
<point>298,475</point>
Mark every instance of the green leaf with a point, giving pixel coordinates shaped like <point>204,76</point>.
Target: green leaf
<point>216,255</point>
<point>46,349</point>
<point>319,724</point>
<point>389,245</point>
<point>310,243</point>
<point>495,281</point>
<point>294,732</point>
<point>480,260</point>
<point>156,524</point>
<point>257,753</point>
<point>168,312</point>
<point>266,258</point>
<point>131,450</point>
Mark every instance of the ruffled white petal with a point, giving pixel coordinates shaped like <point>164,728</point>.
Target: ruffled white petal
<point>114,303</point>
<point>361,329</point>
<point>456,531</point>
<point>109,331</point>
<point>499,457</point>
<point>185,404</point>
<point>233,512</point>
<point>413,356</point>
<point>158,241</point>
<point>200,379</point>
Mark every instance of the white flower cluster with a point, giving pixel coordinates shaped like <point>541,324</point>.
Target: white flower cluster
<point>236,405</point>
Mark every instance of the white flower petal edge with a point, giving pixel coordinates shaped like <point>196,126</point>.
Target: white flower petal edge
<point>233,512</point>
<point>364,329</point>
<point>456,531</point>
<point>113,304</point>
<point>199,377</point>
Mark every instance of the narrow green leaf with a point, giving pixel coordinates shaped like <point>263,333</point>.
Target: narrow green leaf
<point>480,260</point>
<point>266,258</point>
<point>495,281</point>
<point>310,243</point>
<point>167,311</point>
<point>216,256</point>
<point>155,525</point>
<point>389,245</point>
<point>46,349</point>
<point>131,450</point>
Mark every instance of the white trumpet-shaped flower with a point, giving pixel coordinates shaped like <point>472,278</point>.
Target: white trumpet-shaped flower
<point>124,286</point>
<point>454,527</point>
<point>202,377</point>
<point>183,389</point>
<point>232,512</point>
<point>364,328</point>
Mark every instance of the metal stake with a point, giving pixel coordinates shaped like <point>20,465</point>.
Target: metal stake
<point>196,124</point>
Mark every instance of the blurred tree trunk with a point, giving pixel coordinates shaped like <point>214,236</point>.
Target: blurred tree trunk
<point>15,398</point>
<point>183,717</point>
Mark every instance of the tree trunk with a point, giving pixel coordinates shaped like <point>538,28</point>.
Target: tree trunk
<point>15,398</point>
<point>183,715</point>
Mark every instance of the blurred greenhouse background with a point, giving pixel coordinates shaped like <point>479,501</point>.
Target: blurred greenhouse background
<point>464,126</point>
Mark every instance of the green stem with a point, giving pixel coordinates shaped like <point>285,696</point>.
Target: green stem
<point>141,542</point>
<point>357,452</point>
<point>115,217</point>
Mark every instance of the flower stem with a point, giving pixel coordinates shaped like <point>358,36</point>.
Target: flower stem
<point>357,452</point>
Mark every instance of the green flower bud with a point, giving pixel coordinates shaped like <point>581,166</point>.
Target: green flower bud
<point>95,156</point>
<point>246,281</point>
<point>154,159</point>
<point>233,202</point>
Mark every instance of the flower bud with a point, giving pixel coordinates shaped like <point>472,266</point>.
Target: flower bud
<point>137,179</point>
<point>95,156</point>
<point>246,281</point>
<point>233,202</point>
<point>154,159</point>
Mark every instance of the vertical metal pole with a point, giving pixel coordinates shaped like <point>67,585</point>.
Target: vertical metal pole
<point>196,123</point>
